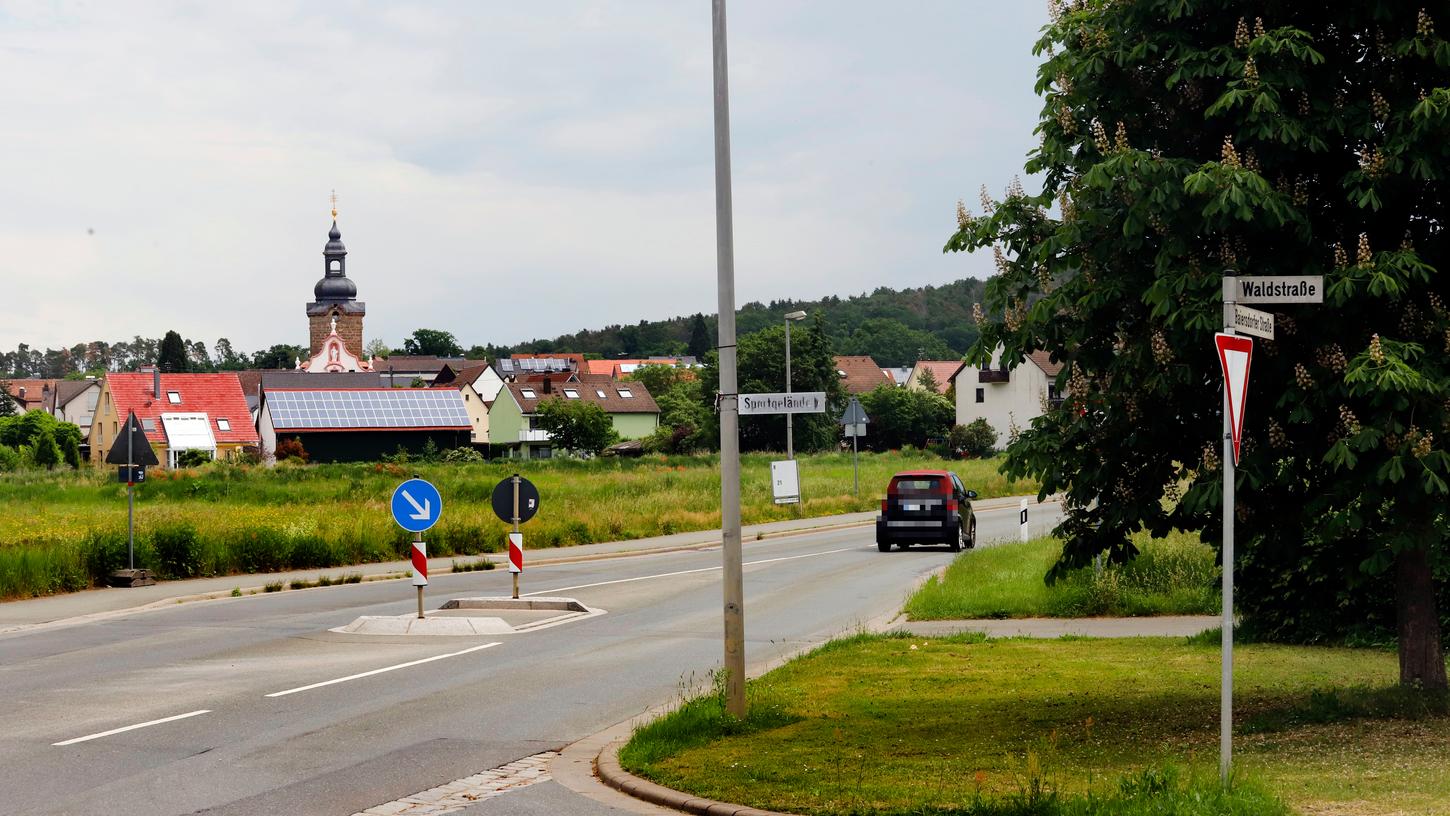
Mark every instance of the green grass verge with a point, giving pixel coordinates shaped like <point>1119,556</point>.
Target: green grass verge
<point>63,531</point>
<point>1171,576</point>
<point>902,725</point>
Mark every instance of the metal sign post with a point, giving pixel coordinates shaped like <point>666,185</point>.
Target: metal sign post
<point>515,500</point>
<point>130,503</point>
<point>855,420</point>
<point>1226,682</point>
<point>417,505</point>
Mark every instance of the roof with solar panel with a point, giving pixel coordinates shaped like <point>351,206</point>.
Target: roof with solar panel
<point>382,409</point>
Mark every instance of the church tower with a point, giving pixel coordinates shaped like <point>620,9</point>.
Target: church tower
<point>336,304</point>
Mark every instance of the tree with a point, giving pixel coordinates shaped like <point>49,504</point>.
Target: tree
<point>432,343</point>
<point>657,378</point>
<point>279,356</point>
<point>576,425</point>
<point>927,381</point>
<point>171,357</point>
<point>44,450</point>
<point>700,344</point>
<point>905,416</point>
<point>1182,143</point>
<point>7,405</point>
<point>892,343</point>
<point>227,358</point>
<point>375,349</point>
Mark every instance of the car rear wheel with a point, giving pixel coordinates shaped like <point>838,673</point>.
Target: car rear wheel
<point>883,546</point>
<point>955,542</point>
<point>972,536</point>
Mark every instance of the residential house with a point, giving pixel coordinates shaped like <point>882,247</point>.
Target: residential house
<point>362,424</point>
<point>860,375</point>
<point>941,371</point>
<point>619,369</point>
<point>401,370</point>
<point>30,394</point>
<point>1007,399</point>
<point>178,412</point>
<point>479,374</point>
<point>901,375</point>
<point>74,401</point>
<point>511,419</point>
<point>522,365</point>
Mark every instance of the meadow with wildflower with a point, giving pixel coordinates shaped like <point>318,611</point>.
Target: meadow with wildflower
<point>65,531</point>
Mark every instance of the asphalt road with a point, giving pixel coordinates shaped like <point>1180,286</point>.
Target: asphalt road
<point>327,741</point>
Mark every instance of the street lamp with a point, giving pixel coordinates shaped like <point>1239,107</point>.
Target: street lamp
<point>790,318</point>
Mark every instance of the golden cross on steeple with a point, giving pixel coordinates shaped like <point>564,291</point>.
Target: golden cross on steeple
<point>334,204</point>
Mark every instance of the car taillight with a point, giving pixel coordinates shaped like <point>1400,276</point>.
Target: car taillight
<point>951,505</point>
<point>883,505</point>
<point>944,488</point>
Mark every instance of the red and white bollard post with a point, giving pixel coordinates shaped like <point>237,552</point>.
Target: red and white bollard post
<point>420,569</point>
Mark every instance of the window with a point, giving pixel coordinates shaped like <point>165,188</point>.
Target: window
<point>148,424</point>
<point>527,393</point>
<point>981,395</point>
<point>626,393</point>
<point>173,397</point>
<point>223,424</point>
<point>571,393</point>
<point>600,392</point>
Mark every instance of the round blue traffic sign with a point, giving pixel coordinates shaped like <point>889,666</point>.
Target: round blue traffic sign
<point>417,505</point>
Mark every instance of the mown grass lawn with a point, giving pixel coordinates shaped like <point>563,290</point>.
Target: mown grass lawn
<point>884,724</point>
<point>59,531</point>
<point>1177,575</point>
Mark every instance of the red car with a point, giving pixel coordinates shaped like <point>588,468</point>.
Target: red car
<point>926,507</point>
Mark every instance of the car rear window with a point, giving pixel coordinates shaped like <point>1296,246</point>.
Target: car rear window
<point>923,485</point>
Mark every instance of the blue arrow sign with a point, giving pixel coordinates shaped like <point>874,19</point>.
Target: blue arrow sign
<point>417,505</point>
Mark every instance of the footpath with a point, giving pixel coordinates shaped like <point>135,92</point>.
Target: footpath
<point>95,604</point>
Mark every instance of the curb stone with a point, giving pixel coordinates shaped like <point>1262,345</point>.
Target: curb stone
<point>607,766</point>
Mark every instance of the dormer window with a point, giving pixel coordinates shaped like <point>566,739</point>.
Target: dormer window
<point>527,393</point>
<point>626,393</point>
<point>173,397</point>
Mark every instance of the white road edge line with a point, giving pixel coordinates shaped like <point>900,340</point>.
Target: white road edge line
<point>132,727</point>
<point>683,572</point>
<point>361,675</point>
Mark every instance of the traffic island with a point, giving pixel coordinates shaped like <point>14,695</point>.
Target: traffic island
<point>464,617</point>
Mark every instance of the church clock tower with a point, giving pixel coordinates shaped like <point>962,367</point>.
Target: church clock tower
<point>336,307</point>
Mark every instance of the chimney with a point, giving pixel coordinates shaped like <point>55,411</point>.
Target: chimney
<point>155,380</point>
<point>22,393</point>
<point>548,385</point>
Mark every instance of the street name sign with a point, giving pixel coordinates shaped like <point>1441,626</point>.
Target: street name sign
<point>1234,355</point>
<point>800,402</point>
<point>1278,289</point>
<point>1253,321</point>
<point>417,505</point>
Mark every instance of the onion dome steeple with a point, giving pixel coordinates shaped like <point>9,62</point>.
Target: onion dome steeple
<point>335,285</point>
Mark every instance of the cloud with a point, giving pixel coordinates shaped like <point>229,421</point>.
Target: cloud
<point>505,171</point>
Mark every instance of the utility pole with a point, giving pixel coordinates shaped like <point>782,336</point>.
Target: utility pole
<point>789,428</point>
<point>732,571</point>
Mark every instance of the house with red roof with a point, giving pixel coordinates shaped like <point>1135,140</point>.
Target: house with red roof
<point>941,373</point>
<point>178,412</point>
<point>860,374</point>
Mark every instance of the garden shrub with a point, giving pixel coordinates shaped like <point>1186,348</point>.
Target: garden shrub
<point>461,455</point>
<point>975,439</point>
<point>10,459</point>
<point>291,449</point>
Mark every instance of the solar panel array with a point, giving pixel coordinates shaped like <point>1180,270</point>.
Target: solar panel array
<point>534,364</point>
<point>403,408</point>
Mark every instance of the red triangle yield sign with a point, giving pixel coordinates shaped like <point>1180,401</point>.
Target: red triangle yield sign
<point>1235,352</point>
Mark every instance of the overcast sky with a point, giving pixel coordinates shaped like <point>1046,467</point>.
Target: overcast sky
<point>504,170</point>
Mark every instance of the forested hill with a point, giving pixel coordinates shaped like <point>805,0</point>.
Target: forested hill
<point>896,327</point>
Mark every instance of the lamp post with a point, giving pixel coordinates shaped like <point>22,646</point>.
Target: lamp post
<point>790,318</point>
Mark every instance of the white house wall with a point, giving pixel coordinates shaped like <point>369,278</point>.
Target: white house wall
<point>1017,401</point>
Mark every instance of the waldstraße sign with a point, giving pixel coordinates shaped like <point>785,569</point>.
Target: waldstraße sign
<point>1279,289</point>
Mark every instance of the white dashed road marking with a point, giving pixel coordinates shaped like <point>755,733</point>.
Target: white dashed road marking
<point>89,737</point>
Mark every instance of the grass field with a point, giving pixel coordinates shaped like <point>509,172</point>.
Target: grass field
<point>60,531</point>
<point>1177,575</point>
<point>903,725</point>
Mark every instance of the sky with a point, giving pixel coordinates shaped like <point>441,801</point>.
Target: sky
<point>504,171</point>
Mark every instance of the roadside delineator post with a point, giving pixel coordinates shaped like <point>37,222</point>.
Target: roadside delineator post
<point>420,569</point>
<point>516,541</point>
<point>1022,520</point>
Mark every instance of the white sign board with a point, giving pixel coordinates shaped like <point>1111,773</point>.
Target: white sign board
<point>785,482</point>
<point>858,429</point>
<point>1253,321</point>
<point>1276,289</point>
<point>800,402</point>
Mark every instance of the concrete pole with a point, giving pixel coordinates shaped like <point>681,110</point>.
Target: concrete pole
<point>732,572</point>
<point>1226,685</point>
<point>789,417</point>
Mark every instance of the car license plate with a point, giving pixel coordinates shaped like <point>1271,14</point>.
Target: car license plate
<point>911,508</point>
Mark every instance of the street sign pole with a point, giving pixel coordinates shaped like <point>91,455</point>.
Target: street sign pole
<point>516,529</point>
<point>418,545</point>
<point>856,463</point>
<point>789,430</point>
<point>732,571</point>
<point>130,502</point>
<point>1226,684</point>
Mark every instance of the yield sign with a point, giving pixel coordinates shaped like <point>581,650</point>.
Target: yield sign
<point>1234,354</point>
